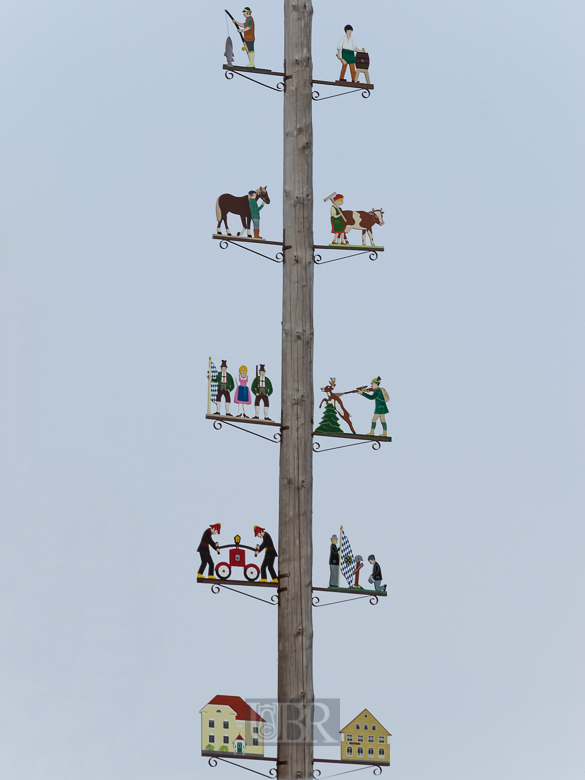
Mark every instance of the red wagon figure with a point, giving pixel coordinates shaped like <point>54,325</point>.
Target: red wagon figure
<point>237,558</point>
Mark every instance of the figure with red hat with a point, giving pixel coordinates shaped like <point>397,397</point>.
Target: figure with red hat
<point>203,550</point>
<point>269,556</point>
<point>337,219</point>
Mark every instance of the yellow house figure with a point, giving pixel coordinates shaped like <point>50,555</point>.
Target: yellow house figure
<point>365,740</point>
<point>229,725</point>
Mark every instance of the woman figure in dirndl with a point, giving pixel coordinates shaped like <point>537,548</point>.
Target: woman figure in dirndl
<point>338,221</point>
<point>243,395</point>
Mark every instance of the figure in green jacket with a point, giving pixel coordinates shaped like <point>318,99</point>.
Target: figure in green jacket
<point>262,389</point>
<point>255,210</point>
<point>380,396</point>
<point>225,385</point>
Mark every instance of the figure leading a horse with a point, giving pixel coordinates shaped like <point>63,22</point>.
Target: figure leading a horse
<point>231,204</point>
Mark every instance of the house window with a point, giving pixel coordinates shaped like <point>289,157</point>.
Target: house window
<point>226,724</point>
<point>357,726</point>
<point>365,726</point>
<point>349,750</point>
<point>255,741</point>
<point>360,737</point>
<point>254,729</point>
<point>371,752</point>
<point>381,752</point>
<point>373,726</point>
<point>370,738</point>
<point>211,724</point>
<point>360,751</point>
<point>381,739</point>
<point>349,737</point>
<point>211,738</point>
<point>226,739</point>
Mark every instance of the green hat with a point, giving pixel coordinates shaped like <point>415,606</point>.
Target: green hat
<point>249,10</point>
<point>376,381</point>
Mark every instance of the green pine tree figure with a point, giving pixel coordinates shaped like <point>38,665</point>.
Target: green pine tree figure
<point>330,421</point>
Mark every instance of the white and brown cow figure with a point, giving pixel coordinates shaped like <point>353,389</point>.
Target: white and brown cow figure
<point>364,221</point>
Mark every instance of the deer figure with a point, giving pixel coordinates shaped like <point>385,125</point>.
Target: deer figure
<point>335,400</point>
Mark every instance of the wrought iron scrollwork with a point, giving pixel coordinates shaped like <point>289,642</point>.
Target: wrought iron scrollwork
<point>218,425</point>
<point>274,599</point>
<point>317,95</point>
<point>213,763</point>
<point>280,87</point>
<point>225,242</point>
<point>373,255</point>
<point>316,601</point>
<point>375,446</point>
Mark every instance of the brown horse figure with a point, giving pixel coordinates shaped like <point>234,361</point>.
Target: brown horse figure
<point>231,204</point>
<point>337,403</point>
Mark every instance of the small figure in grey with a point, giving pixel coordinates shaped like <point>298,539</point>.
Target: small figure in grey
<point>334,563</point>
<point>375,577</point>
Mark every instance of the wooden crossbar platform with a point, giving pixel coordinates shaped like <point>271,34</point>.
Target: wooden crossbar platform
<point>354,436</point>
<point>245,240</point>
<point>242,420</point>
<point>347,247</point>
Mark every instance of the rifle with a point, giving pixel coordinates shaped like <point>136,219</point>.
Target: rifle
<point>358,390</point>
<point>244,47</point>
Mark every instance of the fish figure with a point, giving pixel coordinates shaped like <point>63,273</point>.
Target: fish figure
<point>229,52</point>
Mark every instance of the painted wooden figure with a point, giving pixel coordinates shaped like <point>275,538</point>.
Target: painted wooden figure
<point>225,385</point>
<point>243,395</point>
<point>203,550</point>
<point>333,398</point>
<point>337,219</point>
<point>334,563</point>
<point>242,206</point>
<point>248,28</point>
<point>270,554</point>
<point>255,213</point>
<point>380,396</point>
<point>346,49</point>
<point>262,389</point>
<point>375,577</point>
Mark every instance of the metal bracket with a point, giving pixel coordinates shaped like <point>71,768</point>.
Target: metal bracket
<point>213,763</point>
<point>372,253</point>
<point>377,770</point>
<point>225,241</point>
<point>315,94</point>
<point>218,424</point>
<point>274,599</point>
<point>280,87</point>
<point>317,447</point>
<point>373,601</point>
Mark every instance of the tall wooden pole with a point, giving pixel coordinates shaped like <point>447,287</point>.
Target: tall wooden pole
<point>295,620</point>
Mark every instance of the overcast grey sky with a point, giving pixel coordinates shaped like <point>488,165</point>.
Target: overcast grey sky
<point>117,133</point>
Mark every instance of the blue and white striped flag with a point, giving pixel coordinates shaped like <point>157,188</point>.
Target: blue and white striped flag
<point>347,561</point>
<point>213,383</point>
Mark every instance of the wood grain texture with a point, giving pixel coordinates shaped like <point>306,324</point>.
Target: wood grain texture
<point>295,620</point>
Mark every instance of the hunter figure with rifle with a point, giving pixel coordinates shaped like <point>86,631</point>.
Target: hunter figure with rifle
<point>380,396</point>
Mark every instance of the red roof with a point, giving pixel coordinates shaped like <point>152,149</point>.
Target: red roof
<point>243,711</point>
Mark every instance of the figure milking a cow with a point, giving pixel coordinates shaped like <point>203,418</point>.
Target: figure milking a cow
<point>246,207</point>
<point>344,221</point>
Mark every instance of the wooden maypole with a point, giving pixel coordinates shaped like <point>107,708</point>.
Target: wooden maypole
<point>295,622</point>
